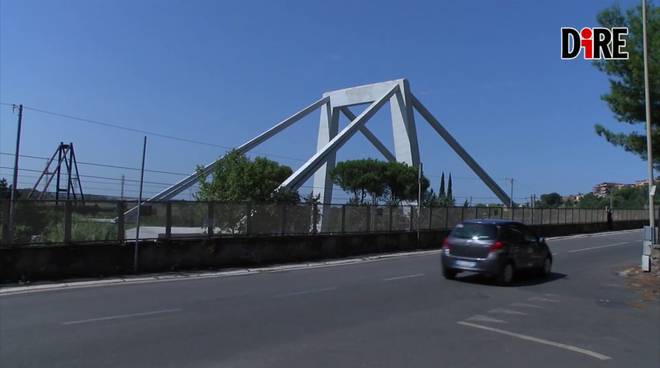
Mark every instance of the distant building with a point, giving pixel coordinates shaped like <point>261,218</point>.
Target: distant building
<point>605,188</point>
<point>572,198</point>
<point>643,183</point>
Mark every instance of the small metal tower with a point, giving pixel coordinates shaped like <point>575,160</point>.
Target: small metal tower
<point>66,160</point>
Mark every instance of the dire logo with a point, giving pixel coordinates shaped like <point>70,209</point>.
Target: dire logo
<point>595,42</point>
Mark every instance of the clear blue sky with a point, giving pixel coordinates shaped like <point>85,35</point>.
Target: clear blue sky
<point>224,71</point>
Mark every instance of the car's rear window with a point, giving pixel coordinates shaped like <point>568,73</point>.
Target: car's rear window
<point>474,231</point>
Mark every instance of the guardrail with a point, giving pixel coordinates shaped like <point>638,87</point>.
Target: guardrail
<point>48,222</point>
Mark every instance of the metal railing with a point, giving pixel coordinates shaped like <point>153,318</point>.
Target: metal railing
<point>48,222</point>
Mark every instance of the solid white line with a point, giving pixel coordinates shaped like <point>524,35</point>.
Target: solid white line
<point>403,277</point>
<point>120,316</point>
<point>576,349</point>
<point>304,292</point>
<point>600,246</point>
<point>482,318</point>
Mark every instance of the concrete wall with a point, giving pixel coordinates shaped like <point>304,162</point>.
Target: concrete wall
<point>99,260</point>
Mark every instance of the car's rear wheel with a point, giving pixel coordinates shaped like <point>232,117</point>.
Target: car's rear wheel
<point>448,273</point>
<point>506,275</point>
<point>546,269</point>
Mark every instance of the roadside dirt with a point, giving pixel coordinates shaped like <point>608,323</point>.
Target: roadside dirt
<point>647,284</point>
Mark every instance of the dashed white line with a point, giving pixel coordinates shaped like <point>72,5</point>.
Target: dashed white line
<point>121,316</point>
<point>576,349</point>
<point>526,305</point>
<point>305,292</point>
<point>403,277</point>
<point>540,299</point>
<point>599,247</point>
<point>507,311</point>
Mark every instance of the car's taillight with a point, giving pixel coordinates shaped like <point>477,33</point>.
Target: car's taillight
<point>445,244</point>
<point>496,246</point>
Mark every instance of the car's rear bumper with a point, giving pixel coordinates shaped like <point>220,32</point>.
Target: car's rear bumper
<point>489,265</point>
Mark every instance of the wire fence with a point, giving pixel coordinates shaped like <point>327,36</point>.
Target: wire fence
<point>66,222</point>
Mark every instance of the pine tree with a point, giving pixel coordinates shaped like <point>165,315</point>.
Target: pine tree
<point>626,97</point>
<point>450,197</point>
<point>441,193</point>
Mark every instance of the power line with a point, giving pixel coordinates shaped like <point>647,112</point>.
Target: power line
<point>142,131</point>
<point>112,183</point>
<point>92,176</point>
<point>99,164</point>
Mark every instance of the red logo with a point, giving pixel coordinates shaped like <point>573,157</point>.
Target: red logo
<point>595,43</point>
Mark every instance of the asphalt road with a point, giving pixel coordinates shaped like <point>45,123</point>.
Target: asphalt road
<point>392,313</point>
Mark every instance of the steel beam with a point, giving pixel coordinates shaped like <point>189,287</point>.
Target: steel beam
<point>462,153</point>
<point>328,129</point>
<point>404,132</point>
<point>189,181</point>
<point>308,168</point>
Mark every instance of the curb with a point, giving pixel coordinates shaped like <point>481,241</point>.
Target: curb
<point>16,290</point>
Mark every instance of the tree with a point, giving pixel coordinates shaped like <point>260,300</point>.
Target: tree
<point>442,192</point>
<point>402,183</point>
<point>429,198</point>
<point>590,200</point>
<point>5,190</point>
<point>450,195</point>
<point>237,178</point>
<point>445,198</point>
<point>361,178</point>
<point>372,181</point>
<point>549,200</point>
<point>626,97</point>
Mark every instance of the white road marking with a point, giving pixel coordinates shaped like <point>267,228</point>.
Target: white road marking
<point>403,277</point>
<point>576,349</point>
<point>526,305</point>
<point>305,292</point>
<point>555,253</point>
<point>599,247</point>
<point>121,316</point>
<point>482,318</point>
<point>507,311</point>
<point>540,299</point>
<point>592,235</point>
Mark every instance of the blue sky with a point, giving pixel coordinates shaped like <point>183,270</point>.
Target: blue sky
<point>224,71</point>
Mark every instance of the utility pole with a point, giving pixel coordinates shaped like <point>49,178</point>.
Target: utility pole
<point>419,197</point>
<point>14,194</point>
<point>137,227</point>
<point>646,252</point>
<point>121,196</point>
<point>511,193</point>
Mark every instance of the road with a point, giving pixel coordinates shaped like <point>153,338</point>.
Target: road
<point>398,312</point>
